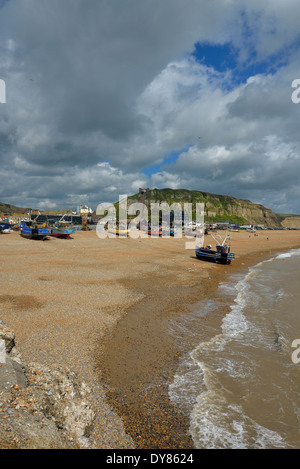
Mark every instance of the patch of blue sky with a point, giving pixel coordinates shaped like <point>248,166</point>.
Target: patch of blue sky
<point>225,58</point>
<point>171,158</point>
<point>220,57</point>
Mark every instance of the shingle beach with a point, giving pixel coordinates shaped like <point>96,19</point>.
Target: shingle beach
<point>103,309</point>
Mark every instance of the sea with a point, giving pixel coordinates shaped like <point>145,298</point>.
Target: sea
<point>241,387</point>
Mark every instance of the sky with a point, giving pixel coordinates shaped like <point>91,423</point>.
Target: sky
<point>106,96</point>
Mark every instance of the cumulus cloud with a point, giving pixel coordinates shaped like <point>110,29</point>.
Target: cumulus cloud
<point>98,91</point>
<point>249,143</point>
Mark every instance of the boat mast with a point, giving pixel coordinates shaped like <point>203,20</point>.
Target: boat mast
<point>220,241</point>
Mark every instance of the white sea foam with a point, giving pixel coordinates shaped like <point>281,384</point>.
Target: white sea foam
<point>215,424</point>
<point>233,365</point>
<point>286,255</point>
<point>187,385</point>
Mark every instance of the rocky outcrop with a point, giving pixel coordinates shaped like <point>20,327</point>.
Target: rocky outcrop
<point>40,407</point>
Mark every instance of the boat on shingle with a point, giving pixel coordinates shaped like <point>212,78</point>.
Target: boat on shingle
<point>220,255</point>
<point>32,230</point>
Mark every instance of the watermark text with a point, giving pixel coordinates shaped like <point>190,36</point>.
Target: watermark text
<point>2,351</point>
<point>296,353</point>
<point>2,92</point>
<point>160,219</point>
<point>296,94</point>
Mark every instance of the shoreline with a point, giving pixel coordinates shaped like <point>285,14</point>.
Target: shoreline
<point>102,309</point>
<point>141,412</point>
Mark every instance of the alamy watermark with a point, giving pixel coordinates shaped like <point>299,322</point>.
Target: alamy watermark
<point>296,353</point>
<point>2,351</point>
<point>2,92</point>
<point>296,94</point>
<point>164,221</point>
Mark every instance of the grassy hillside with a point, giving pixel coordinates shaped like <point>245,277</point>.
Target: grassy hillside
<point>8,209</point>
<point>217,207</point>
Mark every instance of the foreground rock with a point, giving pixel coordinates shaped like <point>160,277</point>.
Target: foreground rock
<point>40,408</point>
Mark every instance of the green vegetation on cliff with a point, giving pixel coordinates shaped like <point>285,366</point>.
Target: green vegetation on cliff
<point>218,208</point>
<point>8,209</point>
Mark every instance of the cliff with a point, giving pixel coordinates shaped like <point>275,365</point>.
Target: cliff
<point>217,207</point>
<point>290,221</point>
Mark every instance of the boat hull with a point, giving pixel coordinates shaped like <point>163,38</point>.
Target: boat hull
<point>31,232</point>
<point>154,233</point>
<point>34,236</point>
<point>4,226</point>
<point>118,232</point>
<point>62,233</point>
<point>208,255</point>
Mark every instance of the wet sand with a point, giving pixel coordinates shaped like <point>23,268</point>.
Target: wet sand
<point>103,308</point>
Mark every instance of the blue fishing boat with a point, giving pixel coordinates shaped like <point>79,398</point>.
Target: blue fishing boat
<point>62,229</point>
<point>32,230</point>
<point>220,255</point>
<point>4,227</point>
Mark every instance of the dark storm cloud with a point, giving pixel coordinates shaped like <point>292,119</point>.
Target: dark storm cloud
<point>98,89</point>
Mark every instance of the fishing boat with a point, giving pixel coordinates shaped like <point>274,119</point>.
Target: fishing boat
<point>167,232</point>
<point>33,230</point>
<point>220,255</point>
<point>4,227</point>
<point>62,229</point>
<point>119,230</point>
<point>154,231</point>
<point>193,233</point>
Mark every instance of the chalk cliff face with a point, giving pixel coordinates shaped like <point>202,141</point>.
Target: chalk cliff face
<point>217,207</point>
